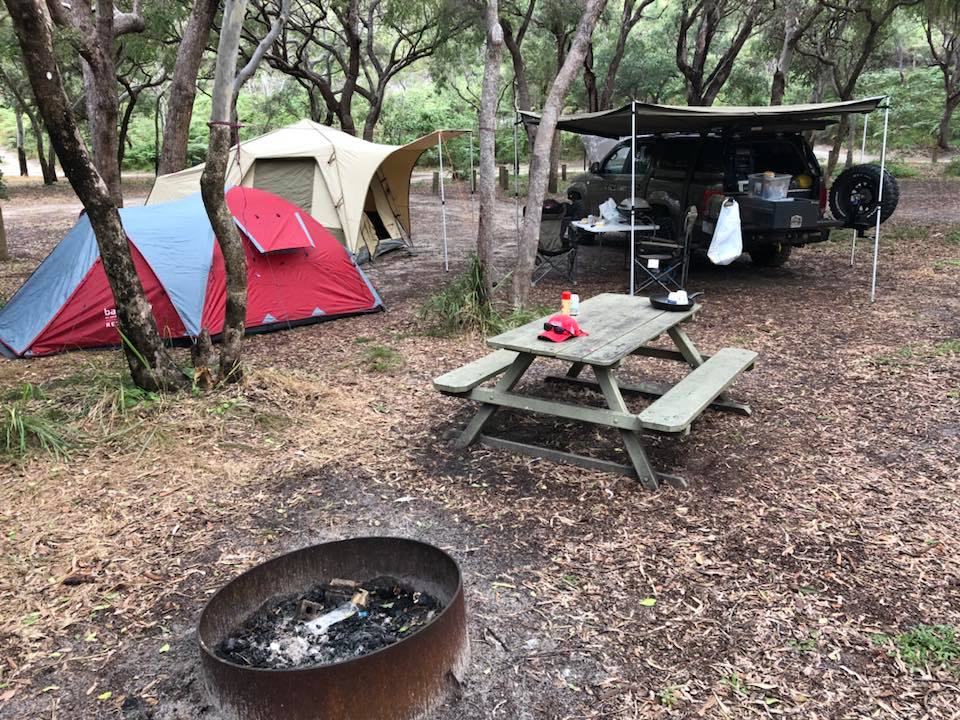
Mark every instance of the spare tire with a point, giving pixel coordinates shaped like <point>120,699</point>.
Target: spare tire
<point>853,197</point>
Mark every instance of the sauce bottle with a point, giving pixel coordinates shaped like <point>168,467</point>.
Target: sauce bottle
<point>565,302</point>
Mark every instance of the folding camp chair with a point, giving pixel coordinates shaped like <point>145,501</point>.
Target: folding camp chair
<point>664,260</point>
<point>557,247</point>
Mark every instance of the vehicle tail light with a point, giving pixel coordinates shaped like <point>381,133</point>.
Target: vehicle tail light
<point>823,197</point>
<point>705,200</point>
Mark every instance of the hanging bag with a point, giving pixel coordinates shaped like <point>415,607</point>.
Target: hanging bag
<point>727,243</point>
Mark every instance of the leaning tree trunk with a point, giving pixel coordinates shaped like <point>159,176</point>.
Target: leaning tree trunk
<point>212,184</point>
<point>183,88</point>
<point>487,121</point>
<point>4,254</point>
<point>151,366</point>
<point>840,130</point>
<point>540,157</point>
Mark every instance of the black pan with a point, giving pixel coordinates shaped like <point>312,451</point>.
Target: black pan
<point>660,302</point>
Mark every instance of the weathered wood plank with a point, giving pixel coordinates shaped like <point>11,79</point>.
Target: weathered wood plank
<point>510,378</point>
<point>638,456</point>
<point>623,420</point>
<point>574,459</point>
<point>676,409</point>
<point>650,389</point>
<point>467,377</point>
<point>607,317</point>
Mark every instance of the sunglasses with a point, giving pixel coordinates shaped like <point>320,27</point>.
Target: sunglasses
<point>557,328</point>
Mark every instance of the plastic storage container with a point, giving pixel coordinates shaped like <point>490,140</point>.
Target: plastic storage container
<point>769,187</point>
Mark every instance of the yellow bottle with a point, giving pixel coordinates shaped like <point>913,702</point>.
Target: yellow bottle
<point>565,303</point>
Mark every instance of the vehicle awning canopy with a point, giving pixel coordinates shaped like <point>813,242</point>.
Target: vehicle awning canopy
<point>652,119</point>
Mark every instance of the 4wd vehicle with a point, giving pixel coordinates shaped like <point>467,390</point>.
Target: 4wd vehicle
<point>675,171</point>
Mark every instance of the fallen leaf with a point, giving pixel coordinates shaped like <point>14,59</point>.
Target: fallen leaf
<point>104,696</point>
<point>648,602</point>
<point>165,648</point>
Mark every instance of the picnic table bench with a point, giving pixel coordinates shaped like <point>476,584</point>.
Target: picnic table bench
<point>618,326</point>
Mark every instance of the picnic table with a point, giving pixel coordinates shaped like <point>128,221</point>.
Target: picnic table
<point>618,326</point>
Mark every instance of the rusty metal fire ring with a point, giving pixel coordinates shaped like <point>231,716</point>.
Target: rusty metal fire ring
<point>398,682</point>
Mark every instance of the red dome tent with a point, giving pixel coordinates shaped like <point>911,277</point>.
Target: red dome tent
<point>297,272</point>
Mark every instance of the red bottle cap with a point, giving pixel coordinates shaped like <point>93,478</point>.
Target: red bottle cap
<point>565,295</point>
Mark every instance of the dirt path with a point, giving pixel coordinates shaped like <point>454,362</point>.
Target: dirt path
<point>814,531</point>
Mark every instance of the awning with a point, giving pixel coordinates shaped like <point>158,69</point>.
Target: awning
<point>652,119</point>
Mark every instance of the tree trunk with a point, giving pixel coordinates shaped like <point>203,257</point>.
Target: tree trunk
<point>943,134</point>
<point>522,83</point>
<point>486,233</point>
<point>100,87</point>
<point>590,81</point>
<point>50,168</point>
<point>151,366</point>
<point>373,115</point>
<point>540,157</point>
<point>791,30</point>
<point>21,150</point>
<point>183,88</point>
<point>4,255</point>
<point>211,186</point>
<point>840,132</point>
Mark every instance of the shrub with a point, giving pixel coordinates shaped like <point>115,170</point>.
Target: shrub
<point>952,168</point>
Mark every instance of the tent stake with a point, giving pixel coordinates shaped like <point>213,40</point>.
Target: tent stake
<point>876,234</point>
<point>443,205</point>
<point>633,186</point>
<point>863,156</point>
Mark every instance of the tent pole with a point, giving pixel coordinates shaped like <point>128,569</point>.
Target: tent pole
<point>863,156</point>
<point>633,186</point>
<point>443,205</point>
<point>876,234</point>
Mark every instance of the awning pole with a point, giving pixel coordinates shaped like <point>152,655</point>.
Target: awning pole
<point>443,205</point>
<point>516,178</point>
<point>876,234</point>
<point>633,186</point>
<point>863,157</point>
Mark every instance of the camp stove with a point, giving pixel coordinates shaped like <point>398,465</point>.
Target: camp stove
<point>397,682</point>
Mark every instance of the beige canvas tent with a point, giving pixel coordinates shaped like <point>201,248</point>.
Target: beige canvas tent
<point>358,190</point>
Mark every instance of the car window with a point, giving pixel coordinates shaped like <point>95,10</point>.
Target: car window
<point>676,156</point>
<point>616,164</point>
<point>779,156</point>
<point>644,155</point>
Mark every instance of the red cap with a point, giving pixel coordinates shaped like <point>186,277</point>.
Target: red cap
<point>559,328</point>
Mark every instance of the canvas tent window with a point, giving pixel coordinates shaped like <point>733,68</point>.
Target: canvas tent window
<point>290,178</point>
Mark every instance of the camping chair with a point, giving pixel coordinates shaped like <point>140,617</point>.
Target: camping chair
<point>665,261</point>
<point>557,247</point>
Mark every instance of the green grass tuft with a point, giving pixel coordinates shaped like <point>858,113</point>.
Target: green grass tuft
<point>901,170</point>
<point>947,347</point>
<point>383,359</point>
<point>21,430</point>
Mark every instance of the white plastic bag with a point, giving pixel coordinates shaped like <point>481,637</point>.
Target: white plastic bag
<point>727,243</point>
<point>608,210</point>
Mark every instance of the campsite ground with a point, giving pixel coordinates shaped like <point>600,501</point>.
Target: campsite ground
<point>817,534</point>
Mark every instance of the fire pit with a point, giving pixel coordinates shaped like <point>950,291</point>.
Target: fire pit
<point>395,682</point>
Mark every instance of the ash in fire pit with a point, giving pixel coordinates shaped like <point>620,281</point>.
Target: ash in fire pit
<point>329,623</point>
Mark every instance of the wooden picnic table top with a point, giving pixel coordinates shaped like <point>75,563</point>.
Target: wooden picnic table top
<point>618,325</point>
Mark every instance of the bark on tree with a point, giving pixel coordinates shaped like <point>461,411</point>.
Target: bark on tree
<point>4,254</point>
<point>797,21</point>
<point>514,41</point>
<point>487,186</point>
<point>151,366</point>
<point>92,32</point>
<point>21,150</point>
<point>226,85</point>
<point>183,88</point>
<point>942,29</point>
<point>706,18</point>
<point>540,157</point>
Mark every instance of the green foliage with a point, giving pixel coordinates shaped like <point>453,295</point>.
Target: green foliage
<point>947,347</point>
<point>901,170</point>
<point>952,168</point>
<point>3,187</point>
<point>925,646</point>
<point>916,107</point>
<point>460,307</point>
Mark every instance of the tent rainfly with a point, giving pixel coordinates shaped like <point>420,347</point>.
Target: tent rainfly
<point>297,273</point>
<point>358,190</point>
<point>638,118</point>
